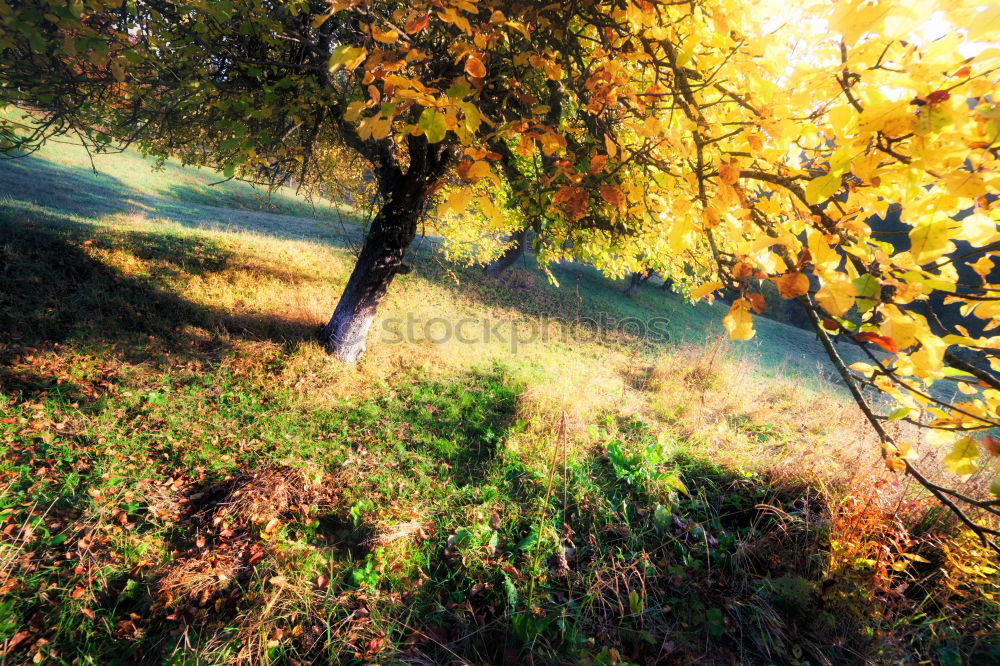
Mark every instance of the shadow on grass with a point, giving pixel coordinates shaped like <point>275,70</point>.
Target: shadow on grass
<point>583,295</point>
<point>83,193</point>
<point>602,562</point>
<point>221,526</point>
<point>460,423</point>
<point>56,291</point>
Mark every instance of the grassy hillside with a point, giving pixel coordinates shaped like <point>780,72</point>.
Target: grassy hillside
<point>185,477</point>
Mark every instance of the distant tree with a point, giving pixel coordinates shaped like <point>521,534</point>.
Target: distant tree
<point>630,134</point>
<point>636,280</point>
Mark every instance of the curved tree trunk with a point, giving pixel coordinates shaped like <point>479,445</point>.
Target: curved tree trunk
<point>511,255</point>
<point>393,229</point>
<point>381,258</point>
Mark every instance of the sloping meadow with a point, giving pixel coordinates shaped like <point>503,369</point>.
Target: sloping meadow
<point>185,476</point>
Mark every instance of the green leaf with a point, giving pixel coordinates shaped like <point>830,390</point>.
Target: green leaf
<point>472,118</point>
<point>528,542</point>
<point>716,623</point>
<point>869,289</point>
<point>508,585</point>
<point>463,537</point>
<point>899,413</point>
<point>458,91</point>
<point>867,286</point>
<point>635,602</point>
<point>822,188</point>
<point>433,124</point>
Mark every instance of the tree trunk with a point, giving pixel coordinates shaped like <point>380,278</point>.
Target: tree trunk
<point>381,258</point>
<point>511,255</point>
<point>635,281</point>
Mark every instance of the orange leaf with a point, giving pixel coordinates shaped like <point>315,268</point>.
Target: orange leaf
<point>964,71</point>
<point>729,173</point>
<point>791,285</point>
<point>938,96</point>
<point>711,218</point>
<point>991,444</point>
<point>470,171</point>
<point>416,24</point>
<point>882,342</point>
<point>597,164</point>
<point>613,195</point>
<point>742,270</point>
<point>757,302</point>
<point>474,67</point>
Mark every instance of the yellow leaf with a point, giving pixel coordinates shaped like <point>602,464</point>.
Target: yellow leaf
<point>822,188</point>
<point>387,37</point>
<point>823,256</point>
<point>986,24</point>
<point>979,229</point>
<point>457,201</point>
<point>381,127</point>
<point>928,361</point>
<point>962,459</point>
<point>609,146</point>
<point>932,239</point>
<point>491,211</point>
<point>964,183</point>
<point>354,110</point>
<point>836,296</point>
<point>739,321</point>
<point>117,70</point>
<point>704,290</point>
<point>346,56</point>
<point>471,171</point>
<point>983,266</point>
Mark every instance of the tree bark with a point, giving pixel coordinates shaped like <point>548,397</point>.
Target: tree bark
<point>635,281</point>
<point>381,259</point>
<point>510,255</point>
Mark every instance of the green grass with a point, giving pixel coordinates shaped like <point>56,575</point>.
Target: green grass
<point>186,478</point>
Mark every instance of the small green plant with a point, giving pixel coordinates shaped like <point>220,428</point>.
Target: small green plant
<point>368,573</point>
<point>644,469</point>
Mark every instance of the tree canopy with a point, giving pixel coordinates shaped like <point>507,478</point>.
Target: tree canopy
<point>720,143</point>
